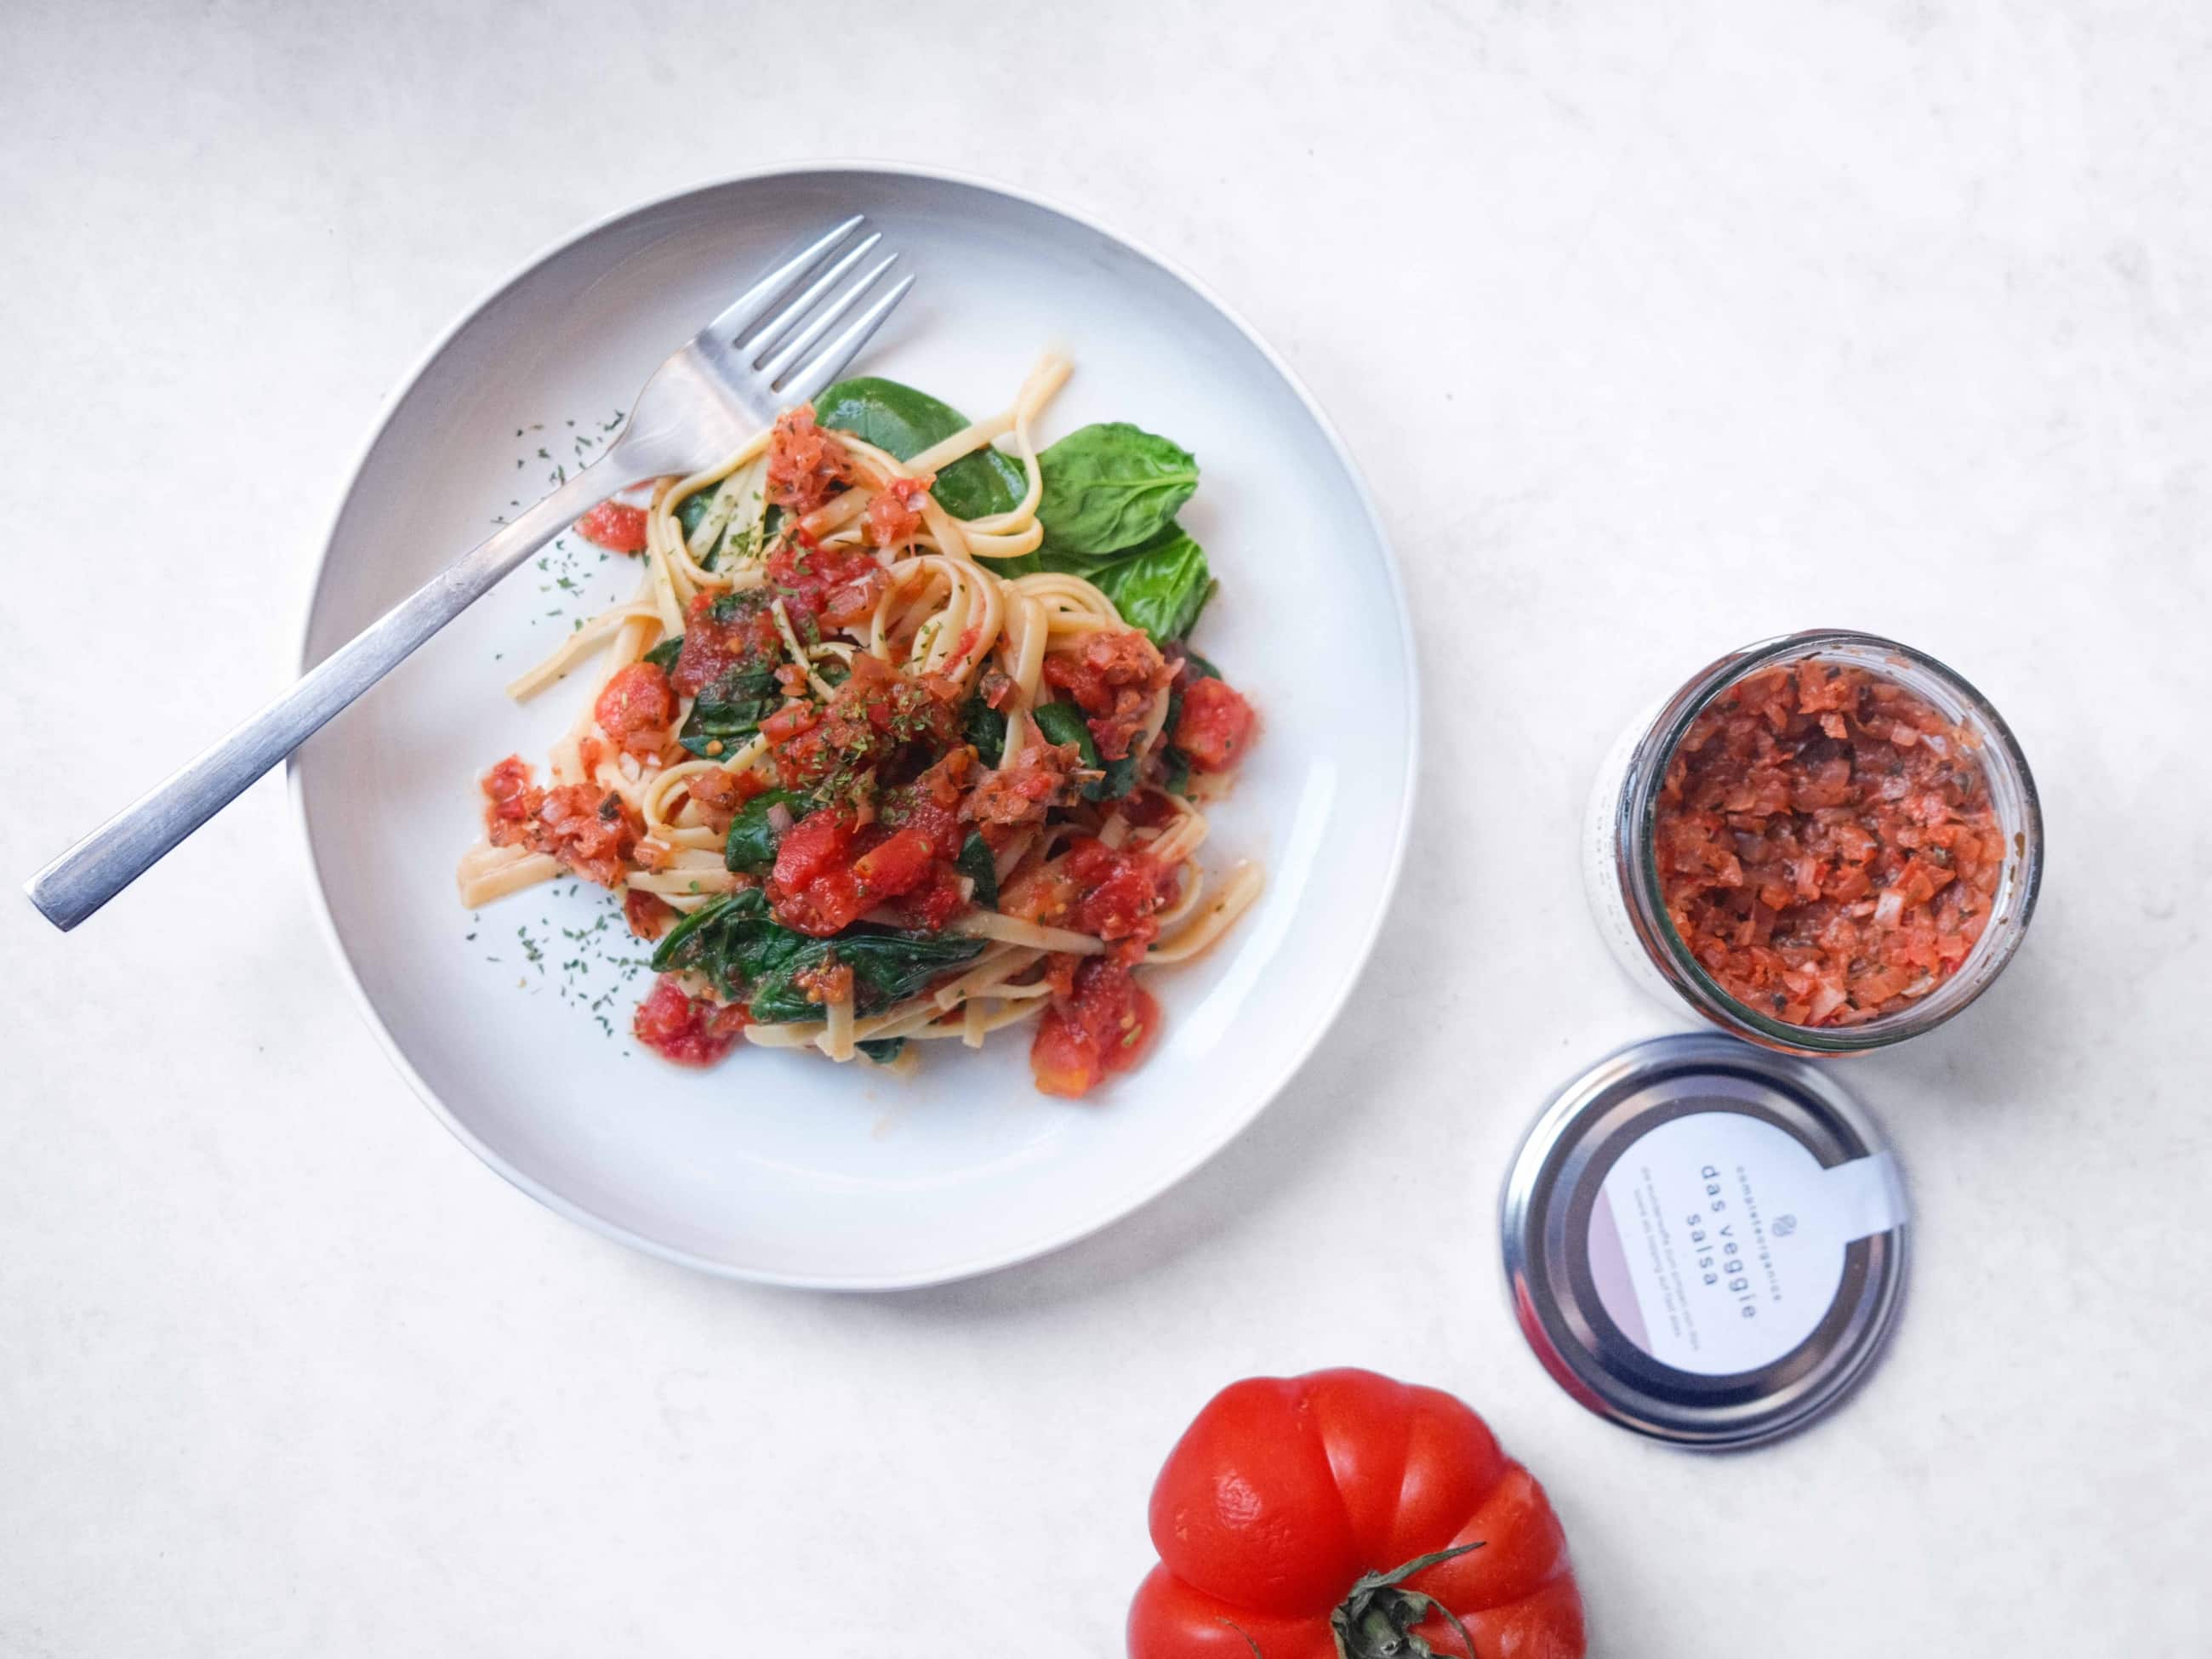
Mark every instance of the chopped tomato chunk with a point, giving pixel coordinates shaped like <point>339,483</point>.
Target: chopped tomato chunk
<point>617,528</point>
<point>894,512</point>
<point>636,707</point>
<point>1115,676</point>
<point>895,867</point>
<point>688,1029</point>
<point>647,913</point>
<point>806,465</point>
<point>591,830</point>
<point>1103,1025</point>
<point>722,631</point>
<point>1215,726</point>
<point>510,800</point>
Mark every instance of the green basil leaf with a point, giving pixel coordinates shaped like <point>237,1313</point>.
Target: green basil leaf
<point>665,654</point>
<point>751,844</point>
<point>1161,586</point>
<point>904,422</point>
<point>725,715</point>
<point>881,1050</point>
<point>976,864</point>
<point>986,727</point>
<point>1109,487</point>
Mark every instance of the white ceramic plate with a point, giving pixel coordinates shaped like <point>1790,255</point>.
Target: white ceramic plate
<point>775,1166</point>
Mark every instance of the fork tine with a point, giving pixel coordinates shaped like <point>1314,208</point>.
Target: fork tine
<point>773,331</point>
<point>753,303</point>
<point>809,379</point>
<point>803,342</point>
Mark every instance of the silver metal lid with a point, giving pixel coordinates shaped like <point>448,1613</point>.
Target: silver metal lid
<point>1705,1241</point>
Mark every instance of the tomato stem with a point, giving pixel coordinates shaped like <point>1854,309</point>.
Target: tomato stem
<point>1377,1620</point>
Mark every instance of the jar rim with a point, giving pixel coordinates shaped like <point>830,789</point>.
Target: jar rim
<point>2019,879</point>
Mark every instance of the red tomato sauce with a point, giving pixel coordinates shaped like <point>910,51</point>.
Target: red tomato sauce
<point>1825,844</point>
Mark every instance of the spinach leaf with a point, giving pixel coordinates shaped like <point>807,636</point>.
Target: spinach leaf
<point>904,422</point>
<point>881,1050</point>
<point>888,967</point>
<point>976,864</point>
<point>1108,487</point>
<point>986,727</point>
<point>665,654</point>
<point>753,958</point>
<point>1197,667</point>
<point>733,941</point>
<point>1161,586</point>
<point>1063,722</point>
<point>1175,773</point>
<point>725,714</point>
<point>693,508</point>
<point>752,841</point>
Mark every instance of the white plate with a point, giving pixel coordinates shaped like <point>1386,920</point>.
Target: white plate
<point>775,1166</point>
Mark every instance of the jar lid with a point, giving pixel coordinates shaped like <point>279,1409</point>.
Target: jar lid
<point>1705,1241</point>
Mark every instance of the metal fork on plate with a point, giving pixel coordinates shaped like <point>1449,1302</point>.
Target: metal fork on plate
<point>764,353</point>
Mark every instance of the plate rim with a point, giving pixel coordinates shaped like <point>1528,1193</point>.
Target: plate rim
<point>1084,1225</point>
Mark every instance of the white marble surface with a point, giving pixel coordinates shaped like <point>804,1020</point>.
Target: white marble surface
<point>1704,321</point>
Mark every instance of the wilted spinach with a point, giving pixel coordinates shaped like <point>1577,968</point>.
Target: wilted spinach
<point>986,727</point>
<point>881,1050</point>
<point>725,714</point>
<point>665,654</point>
<point>1063,722</point>
<point>976,864</point>
<point>752,843</point>
<point>752,958</point>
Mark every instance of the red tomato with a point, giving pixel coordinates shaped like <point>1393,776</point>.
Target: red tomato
<point>617,528</point>
<point>1215,726</point>
<point>635,708</point>
<point>509,796</point>
<point>816,844</point>
<point>721,631</point>
<point>897,866</point>
<point>688,1029</point>
<point>812,887</point>
<point>805,464</point>
<point>1293,1499</point>
<point>1103,1026</point>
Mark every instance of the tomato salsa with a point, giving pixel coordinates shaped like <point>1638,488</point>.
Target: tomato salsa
<point>1826,845</point>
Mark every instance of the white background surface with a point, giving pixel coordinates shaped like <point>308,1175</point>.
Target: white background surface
<point>1657,329</point>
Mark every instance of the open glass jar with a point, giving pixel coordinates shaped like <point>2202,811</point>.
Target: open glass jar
<point>1621,866</point>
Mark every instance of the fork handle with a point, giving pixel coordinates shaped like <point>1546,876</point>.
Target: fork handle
<point>125,848</point>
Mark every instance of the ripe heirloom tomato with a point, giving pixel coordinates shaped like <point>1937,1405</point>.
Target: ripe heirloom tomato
<point>1343,1516</point>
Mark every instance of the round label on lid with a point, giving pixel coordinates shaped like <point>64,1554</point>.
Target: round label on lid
<point>1705,1241</point>
<point>1716,1240</point>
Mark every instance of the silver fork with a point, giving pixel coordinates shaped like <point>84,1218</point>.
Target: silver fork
<point>763,354</point>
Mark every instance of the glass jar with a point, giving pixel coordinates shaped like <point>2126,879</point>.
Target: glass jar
<point>1620,868</point>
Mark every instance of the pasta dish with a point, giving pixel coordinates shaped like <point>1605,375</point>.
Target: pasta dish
<point>901,738</point>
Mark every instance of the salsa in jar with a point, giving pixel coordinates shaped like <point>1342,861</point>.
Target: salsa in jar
<point>1825,843</point>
